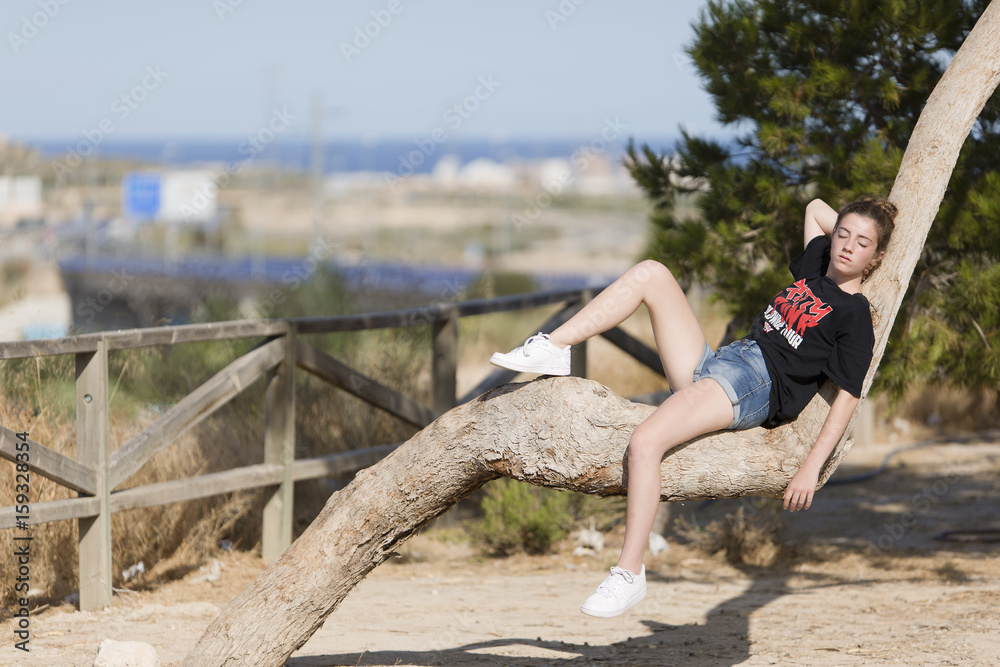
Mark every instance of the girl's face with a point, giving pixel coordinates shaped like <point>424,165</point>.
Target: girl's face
<point>854,247</point>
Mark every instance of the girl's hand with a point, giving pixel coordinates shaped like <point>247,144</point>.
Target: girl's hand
<point>800,491</point>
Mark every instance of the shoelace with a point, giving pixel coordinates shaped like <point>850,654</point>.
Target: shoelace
<point>616,571</point>
<point>527,343</point>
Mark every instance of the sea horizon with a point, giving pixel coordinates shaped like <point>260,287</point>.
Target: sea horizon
<point>339,154</point>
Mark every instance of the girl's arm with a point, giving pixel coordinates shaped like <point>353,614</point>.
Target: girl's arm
<point>799,493</point>
<point>820,219</point>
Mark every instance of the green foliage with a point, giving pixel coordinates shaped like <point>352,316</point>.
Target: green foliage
<point>520,517</point>
<point>825,95</point>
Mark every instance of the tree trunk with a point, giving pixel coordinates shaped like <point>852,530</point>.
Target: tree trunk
<point>571,433</point>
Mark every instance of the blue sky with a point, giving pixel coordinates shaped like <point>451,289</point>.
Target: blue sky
<point>217,69</point>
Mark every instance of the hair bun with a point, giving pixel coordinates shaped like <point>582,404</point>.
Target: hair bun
<point>886,206</point>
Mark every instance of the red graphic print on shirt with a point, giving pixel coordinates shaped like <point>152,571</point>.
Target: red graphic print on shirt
<point>800,308</point>
<point>794,311</point>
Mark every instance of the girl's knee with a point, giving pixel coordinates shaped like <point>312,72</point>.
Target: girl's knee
<point>644,445</point>
<point>652,272</point>
<point>649,268</point>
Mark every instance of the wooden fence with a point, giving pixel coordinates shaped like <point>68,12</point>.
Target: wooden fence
<point>99,470</point>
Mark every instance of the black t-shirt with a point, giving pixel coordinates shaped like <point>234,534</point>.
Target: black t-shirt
<point>811,331</point>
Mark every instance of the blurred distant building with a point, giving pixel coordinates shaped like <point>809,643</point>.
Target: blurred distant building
<point>446,171</point>
<point>601,175</point>
<point>41,308</point>
<point>485,174</point>
<point>583,173</point>
<point>20,199</point>
<point>36,316</point>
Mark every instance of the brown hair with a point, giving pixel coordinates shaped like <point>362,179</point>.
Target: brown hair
<point>880,211</point>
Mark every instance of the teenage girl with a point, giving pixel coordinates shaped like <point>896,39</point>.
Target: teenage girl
<point>819,327</point>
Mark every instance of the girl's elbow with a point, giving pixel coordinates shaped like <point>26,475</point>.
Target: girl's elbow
<point>848,399</point>
<point>816,204</point>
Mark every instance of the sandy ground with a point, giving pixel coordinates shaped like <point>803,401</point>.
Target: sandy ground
<point>862,582</point>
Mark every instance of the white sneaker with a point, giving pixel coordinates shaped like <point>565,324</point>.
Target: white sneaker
<point>537,355</point>
<point>621,590</point>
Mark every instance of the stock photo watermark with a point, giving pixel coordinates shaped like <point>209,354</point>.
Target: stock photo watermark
<point>32,25</point>
<point>21,565</point>
<point>92,306</point>
<point>364,34</point>
<point>121,108</point>
<point>225,7</point>
<point>320,251</point>
<point>683,62</point>
<point>563,11</point>
<point>251,147</point>
<point>454,117</point>
<point>922,502</point>
<point>579,160</point>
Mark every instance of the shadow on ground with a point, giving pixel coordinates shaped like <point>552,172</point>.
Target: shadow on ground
<point>722,641</point>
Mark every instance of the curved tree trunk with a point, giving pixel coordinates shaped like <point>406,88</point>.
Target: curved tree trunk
<point>571,433</point>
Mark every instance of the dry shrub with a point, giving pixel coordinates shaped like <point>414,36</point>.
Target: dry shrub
<point>748,536</point>
<point>172,539</point>
<point>168,539</point>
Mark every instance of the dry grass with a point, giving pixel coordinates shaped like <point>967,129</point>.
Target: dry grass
<point>184,530</point>
<point>170,540</point>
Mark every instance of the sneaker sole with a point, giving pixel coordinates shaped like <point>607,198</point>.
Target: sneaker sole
<point>524,368</point>
<point>601,613</point>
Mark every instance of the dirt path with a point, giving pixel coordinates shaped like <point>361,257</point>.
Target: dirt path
<point>864,583</point>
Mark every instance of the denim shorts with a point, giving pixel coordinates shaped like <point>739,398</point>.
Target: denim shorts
<point>739,368</point>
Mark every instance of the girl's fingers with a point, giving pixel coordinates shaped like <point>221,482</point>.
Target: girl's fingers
<point>795,499</point>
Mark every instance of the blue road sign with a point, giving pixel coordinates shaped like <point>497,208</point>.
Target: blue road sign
<point>141,195</point>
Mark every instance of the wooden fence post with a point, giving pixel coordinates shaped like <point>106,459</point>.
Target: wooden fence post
<point>92,451</point>
<point>279,448</point>
<point>578,360</point>
<point>445,362</point>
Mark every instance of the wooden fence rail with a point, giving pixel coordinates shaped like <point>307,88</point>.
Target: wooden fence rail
<point>98,471</point>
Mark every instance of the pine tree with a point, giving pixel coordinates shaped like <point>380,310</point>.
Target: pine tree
<point>823,96</point>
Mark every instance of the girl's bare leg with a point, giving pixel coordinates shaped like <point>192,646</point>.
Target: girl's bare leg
<point>698,408</point>
<point>694,408</point>
<point>678,335</point>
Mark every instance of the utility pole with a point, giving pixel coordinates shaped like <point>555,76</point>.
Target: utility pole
<point>316,163</point>
<point>90,234</point>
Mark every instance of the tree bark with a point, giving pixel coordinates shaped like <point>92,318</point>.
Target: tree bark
<point>570,433</point>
